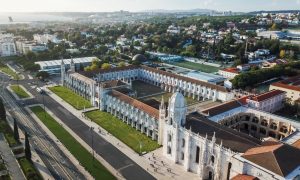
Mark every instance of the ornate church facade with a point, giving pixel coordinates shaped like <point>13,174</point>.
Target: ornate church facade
<point>193,140</point>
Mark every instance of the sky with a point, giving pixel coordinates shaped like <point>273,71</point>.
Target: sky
<point>140,5</point>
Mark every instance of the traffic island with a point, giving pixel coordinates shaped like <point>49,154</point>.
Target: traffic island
<point>20,92</point>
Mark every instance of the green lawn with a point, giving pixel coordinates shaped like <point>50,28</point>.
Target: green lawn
<point>70,97</point>
<point>196,66</point>
<point>19,91</point>
<point>29,169</point>
<point>97,170</point>
<point>128,135</point>
<point>5,69</point>
<point>8,133</point>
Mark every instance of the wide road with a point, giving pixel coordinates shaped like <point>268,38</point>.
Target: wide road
<point>118,160</point>
<point>55,160</point>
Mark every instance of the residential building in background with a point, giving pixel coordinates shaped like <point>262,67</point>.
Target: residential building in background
<point>7,45</point>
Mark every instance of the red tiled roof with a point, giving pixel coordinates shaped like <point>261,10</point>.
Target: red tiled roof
<point>291,83</point>
<point>231,70</point>
<point>297,144</point>
<point>266,95</point>
<point>136,103</point>
<point>244,177</point>
<point>278,158</point>
<point>286,86</point>
<point>215,110</point>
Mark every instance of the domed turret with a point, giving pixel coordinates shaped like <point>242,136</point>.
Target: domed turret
<point>177,109</point>
<point>177,100</point>
<point>139,58</point>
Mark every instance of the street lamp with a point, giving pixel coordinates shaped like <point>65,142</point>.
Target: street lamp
<point>91,130</point>
<point>141,146</point>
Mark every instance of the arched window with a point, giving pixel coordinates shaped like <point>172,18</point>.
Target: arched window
<point>255,120</point>
<point>263,131</point>
<point>169,137</point>
<point>253,128</point>
<point>212,160</point>
<point>182,156</point>
<point>169,151</point>
<point>283,129</point>
<point>183,143</point>
<point>272,134</point>
<point>171,121</point>
<point>197,154</point>
<point>228,170</point>
<point>264,123</point>
<point>273,126</point>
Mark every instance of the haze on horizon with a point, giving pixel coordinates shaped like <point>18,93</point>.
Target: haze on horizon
<point>141,5</point>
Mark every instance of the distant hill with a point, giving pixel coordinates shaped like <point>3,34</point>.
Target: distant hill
<point>180,11</point>
<point>279,11</point>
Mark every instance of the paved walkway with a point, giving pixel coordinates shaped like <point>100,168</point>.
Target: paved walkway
<point>154,163</point>
<point>11,163</point>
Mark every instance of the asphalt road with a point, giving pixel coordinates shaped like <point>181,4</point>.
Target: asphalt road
<point>121,162</point>
<point>56,161</point>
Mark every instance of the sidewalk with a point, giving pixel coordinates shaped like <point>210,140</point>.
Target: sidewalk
<point>155,163</point>
<point>11,163</point>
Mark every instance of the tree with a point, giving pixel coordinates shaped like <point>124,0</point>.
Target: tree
<point>42,75</point>
<point>274,27</point>
<point>2,110</point>
<point>282,54</point>
<point>16,131</point>
<point>121,64</point>
<point>27,147</point>
<point>105,66</point>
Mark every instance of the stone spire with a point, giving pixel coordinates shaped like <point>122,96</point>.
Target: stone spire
<point>162,103</point>
<point>214,138</point>
<point>72,65</point>
<point>62,72</point>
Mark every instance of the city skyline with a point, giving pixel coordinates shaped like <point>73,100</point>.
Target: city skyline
<point>143,5</point>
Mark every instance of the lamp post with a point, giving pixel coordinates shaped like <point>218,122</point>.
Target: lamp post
<point>141,146</point>
<point>91,130</point>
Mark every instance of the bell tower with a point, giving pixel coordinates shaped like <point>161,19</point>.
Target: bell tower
<point>162,121</point>
<point>63,72</point>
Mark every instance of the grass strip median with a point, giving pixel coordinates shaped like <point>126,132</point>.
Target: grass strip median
<point>127,134</point>
<point>70,97</point>
<point>8,133</point>
<point>19,91</point>
<point>5,69</point>
<point>29,169</point>
<point>94,167</point>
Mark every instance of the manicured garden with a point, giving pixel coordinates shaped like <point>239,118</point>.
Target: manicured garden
<point>5,69</point>
<point>197,66</point>
<point>19,91</point>
<point>97,170</point>
<point>128,135</point>
<point>70,97</point>
<point>29,169</point>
